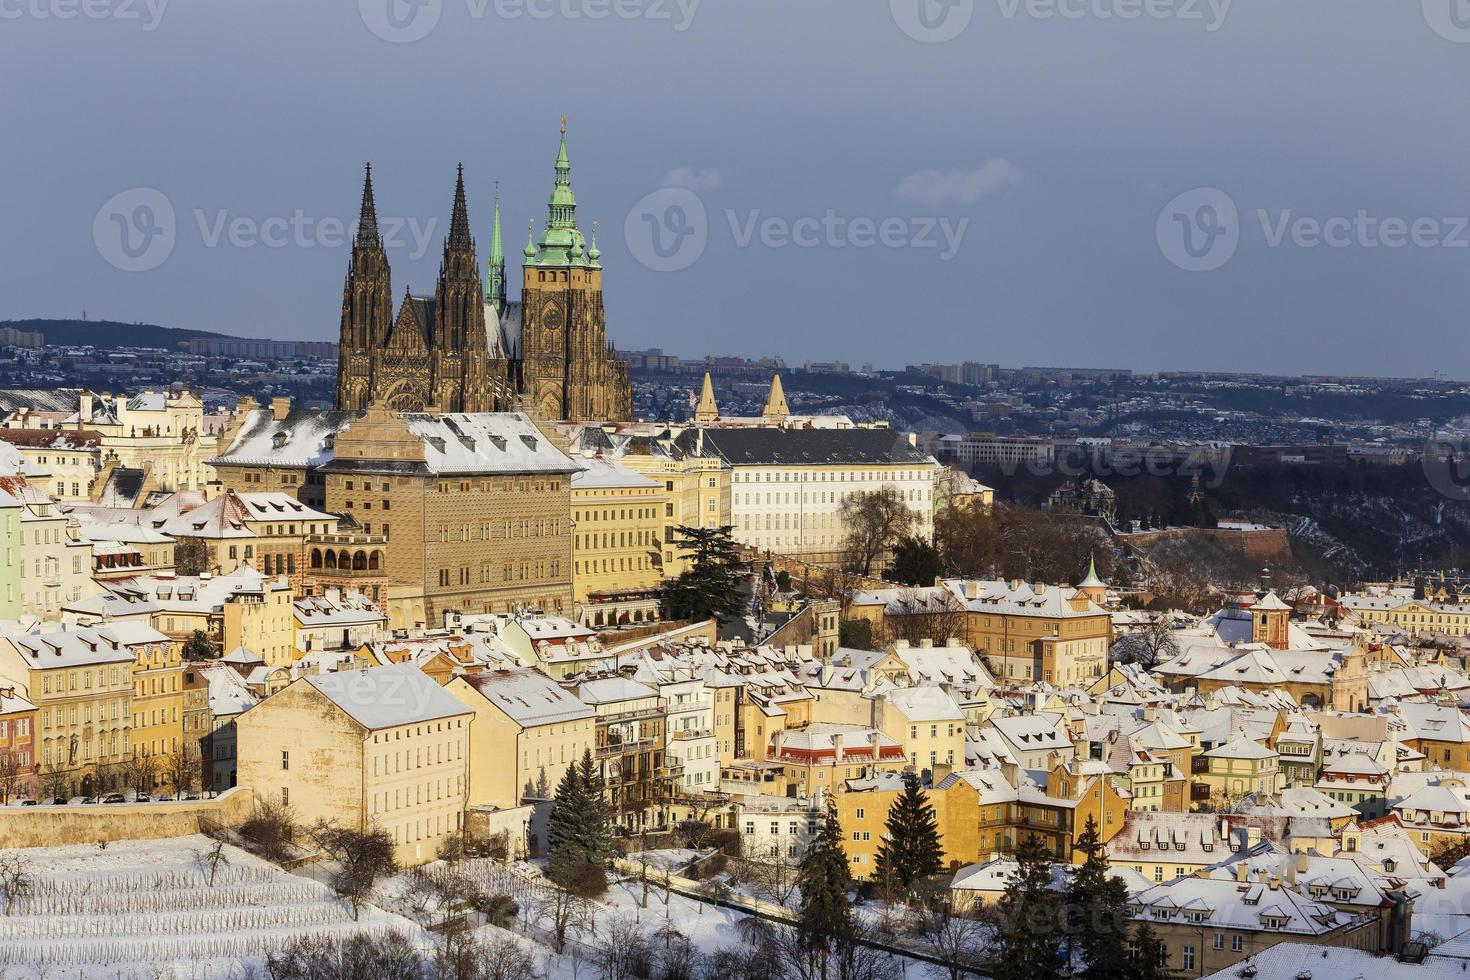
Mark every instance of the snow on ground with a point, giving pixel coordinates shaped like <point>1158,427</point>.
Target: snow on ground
<point>142,909</point>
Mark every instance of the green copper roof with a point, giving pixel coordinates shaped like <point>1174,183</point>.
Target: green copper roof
<point>562,243</point>
<point>495,267</point>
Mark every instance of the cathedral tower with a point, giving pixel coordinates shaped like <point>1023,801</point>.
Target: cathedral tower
<point>367,306</point>
<point>569,369</point>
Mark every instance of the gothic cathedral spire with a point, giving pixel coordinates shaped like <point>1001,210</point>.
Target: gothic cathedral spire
<point>495,267</point>
<point>367,305</point>
<point>459,219</point>
<point>367,219</point>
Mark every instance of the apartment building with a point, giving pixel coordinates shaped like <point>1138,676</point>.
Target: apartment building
<point>385,747</point>
<point>617,527</point>
<point>631,749</point>
<point>787,485</point>
<point>81,682</point>
<point>527,732</point>
<point>17,745</point>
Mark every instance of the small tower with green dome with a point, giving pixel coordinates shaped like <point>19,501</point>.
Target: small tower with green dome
<point>495,267</point>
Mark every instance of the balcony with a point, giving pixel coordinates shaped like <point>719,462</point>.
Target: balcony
<point>622,748</point>
<point>690,734</point>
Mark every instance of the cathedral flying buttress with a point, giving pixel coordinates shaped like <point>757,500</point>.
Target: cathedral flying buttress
<point>469,348</point>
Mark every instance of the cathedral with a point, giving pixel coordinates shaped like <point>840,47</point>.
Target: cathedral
<point>468,348</point>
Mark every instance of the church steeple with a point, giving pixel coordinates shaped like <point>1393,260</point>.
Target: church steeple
<point>562,243</point>
<point>367,219</point>
<point>459,220</point>
<point>776,409</point>
<point>707,410</point>
<point>495,267</point>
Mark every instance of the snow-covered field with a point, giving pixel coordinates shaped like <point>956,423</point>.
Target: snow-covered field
<point>138,910</point>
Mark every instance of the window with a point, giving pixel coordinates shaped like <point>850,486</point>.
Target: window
<point>285,760</point>
<point>1219,940</point>
<point>1237,943</point>
<point>1186,958</point>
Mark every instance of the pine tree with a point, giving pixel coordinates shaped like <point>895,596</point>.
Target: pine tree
<point>565,829</point>
<point>824,879</point>
<point>1152,960</point>
<point>714,583</point>
<point>598,817</point>
<point>1028,928</point>
<point>1095,911</point>
<point>910,850</point>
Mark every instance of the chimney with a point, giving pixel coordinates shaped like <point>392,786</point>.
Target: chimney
<point>1242,871</point>
<point>837,746</point>
<point>926,644</point>
<point>1303,862</point>
<point>972,590</point>
<point>280,407</point>
<point>1252,835</point>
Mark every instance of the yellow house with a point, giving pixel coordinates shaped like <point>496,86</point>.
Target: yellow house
<point>863,811</point>
<point>1240,767</point>
<point>824,756</point>
<point>158,699</point>
<point>527,732</point>
<point>617,525</point>
<point>696,490</point>
<point>385,747</point>
<point>266,530</point>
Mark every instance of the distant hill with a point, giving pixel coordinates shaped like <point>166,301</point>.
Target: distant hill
<point>107,333</point>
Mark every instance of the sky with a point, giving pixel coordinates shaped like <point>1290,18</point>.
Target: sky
<point>1253,185</point>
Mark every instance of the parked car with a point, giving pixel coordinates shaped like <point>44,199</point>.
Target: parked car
<point>56,801</point>
<point>114,798</point>
<point>165,798</point>
<point>82,800</point>
<point>142,798</point>
<point>28,802</point>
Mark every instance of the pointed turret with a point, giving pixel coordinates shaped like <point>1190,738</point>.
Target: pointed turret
<point>1091,581</point>
<point>367,219</point>
<point>562,243</point>
<point>459,219</point>
<point>776,409</point>
<point>495,267</point>
<point>707,410</point>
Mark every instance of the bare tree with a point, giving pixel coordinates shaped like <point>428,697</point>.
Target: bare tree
<point>16,877</point>
<point>9,776</point>
<point>625,952</point>
<point>362,857</point>
<point>138,772</point>
<point>931,614</point>
<point>270,831</point>
<point>560,908</point>
<point>213,858</point>
<point>53,780</point>
<point>960,942</point>
<point>875,521</point>
<point>182,767</point>
<point>1150,646</point>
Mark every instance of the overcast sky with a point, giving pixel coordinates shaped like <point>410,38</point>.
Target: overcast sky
<point>994,180</point>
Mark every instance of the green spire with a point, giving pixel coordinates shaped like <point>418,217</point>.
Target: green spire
<point>495,268</point>
<point>562,243</point>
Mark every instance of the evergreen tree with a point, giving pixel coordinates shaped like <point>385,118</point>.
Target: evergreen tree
<point>910,850</point>
<point>714,583</point>
<point>824,879</point>
<point>1028,928</point>
<point>915,562</point>
<point>1095,911</point>
<point>599,816</point>
<point>578,835</point>
<point>1152,960</point>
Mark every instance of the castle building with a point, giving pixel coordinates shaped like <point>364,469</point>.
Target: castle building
<point>468,348</point>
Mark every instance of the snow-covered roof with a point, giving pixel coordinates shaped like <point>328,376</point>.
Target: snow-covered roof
<point>388,697</point>
<point>528,697</point>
